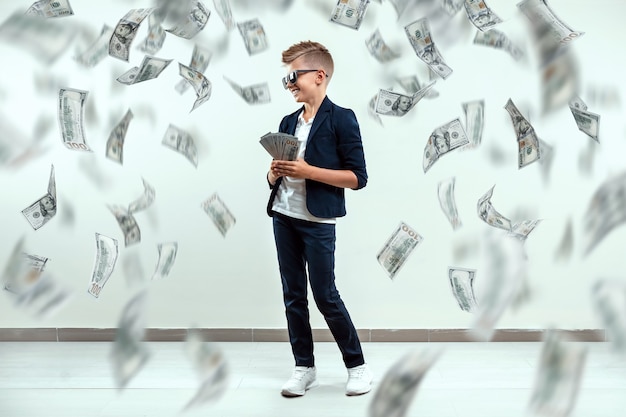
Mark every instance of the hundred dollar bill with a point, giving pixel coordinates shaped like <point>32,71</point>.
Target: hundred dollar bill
<point>371,110</point>
<point>281,146</point>
<point>211,367</point>
<point>219,213</point>
<point>397,249</point>
<point>151,67</point>
<point>474,121</point>
<point>156,36</point>
<point>421,40</point>
<point>222,7</point>
<point>252,94</point>
<point>133,269</point>
<point>481,15</point>
<point>167,256</point>
<point>129,354</point>
<point>411,85</point>
<point>71,118</point>
<point>350,12</point>
<point>399,385</point>
<point>143,202</point>
<point>490,215</point>
<point>45,208</point>
<point>115,143</point>
<point>444,139</point>
<point>547,157</point>
<point>44,298</point>
<point>97,51</point>
<point>606,211</point>
<point>199,83</point>
<point>498,40</point>
<point>558,376</point>
<point>193,23</point>
<point>564,250</point>
<point>181,142</point>
<point>503,277</point>
<point>50,8</point>
<point>379,49</point>
<point>253,36</point>
<point>587,122</point>
<point>445,191</point>
<point>609,302</point>
<point>107,252</point>
<point>23,270</point>
<point>128,224</point>
<point>539,13</point>
<point>522,229</point>
<point>462,284</point>
<point>527,140</point>
<point>125,32</point>
<point>200,59</point>
<point>391,103</point>
<point>46,39</point>
<point>452,7</point>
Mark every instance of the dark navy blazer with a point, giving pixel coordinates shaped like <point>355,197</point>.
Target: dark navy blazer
<point>335,143</point>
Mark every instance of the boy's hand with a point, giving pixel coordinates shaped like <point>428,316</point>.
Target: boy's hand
<point>295,169</point>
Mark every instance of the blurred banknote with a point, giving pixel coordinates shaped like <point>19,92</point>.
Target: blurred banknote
<point>379,49</point>
<point>156,36</point>
<point>125,32</point>
<point>222,7</point>
<point>444,139</point>
<point>143,202</point>
<point>462,284</point>
<point>150,68</point>
<point>98,50</point>
<point>400,6</point>
<point>488,214</point>
<point>564,250</point>
<point>133,269</point>
<point>211,367</point>
<point>71,118</point>
<point>397,248</point>
<point>390,103</point>
<point>350,12</point>
<point>540,13</point>
<point>606,211</point>
<point>547,157</point>
<point>411,85</point>
<point>608,298</point>
<point>129,354</point>
<point>200,59</point>
<point>396,390</point>
<point>421,40</point>
<point>128,224</point>
<point>527,140</point>
<point>181,142</point>
<point>558,377</point>
<point>193,23</point>
<point>199,82</point>
<point>503,277</point>
<point>22,270</point>
<point>15,146</point>
<point>252,94</point>
<point>474,121</point>
<point>498,40</point>
<point>44,298</point>
<point>586,121</point>
<point>481,15</point>
<point>115,143</point>
<point>107,252</point>
<point>167,256</point>
<point>50,8</point>
<point>371,110</point>
<point>281,146</point>
<point>45,208</point>
<point>522,229</point>
<point>46,39</point>
<point>445,192</point>
<point>452,7</point>
<point>253,36</point>
<point>219,213</point>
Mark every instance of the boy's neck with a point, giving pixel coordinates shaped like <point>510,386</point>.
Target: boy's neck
<point>311,107</point>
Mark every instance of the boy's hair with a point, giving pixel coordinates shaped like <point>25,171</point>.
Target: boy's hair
<point>315,55</point>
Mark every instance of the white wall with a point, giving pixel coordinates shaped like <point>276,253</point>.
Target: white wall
<point>233,281</point>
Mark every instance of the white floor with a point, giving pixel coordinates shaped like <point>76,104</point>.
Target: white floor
<point>468,380</point>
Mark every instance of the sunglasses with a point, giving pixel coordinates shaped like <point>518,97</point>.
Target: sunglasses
<point>292,77</point>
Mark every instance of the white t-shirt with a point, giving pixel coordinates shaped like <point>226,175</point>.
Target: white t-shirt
<point>291,195</point>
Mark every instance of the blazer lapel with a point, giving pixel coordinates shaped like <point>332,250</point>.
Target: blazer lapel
<point>322,114</point>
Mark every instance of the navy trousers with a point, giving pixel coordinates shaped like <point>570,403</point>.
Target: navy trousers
<point>301,244</point>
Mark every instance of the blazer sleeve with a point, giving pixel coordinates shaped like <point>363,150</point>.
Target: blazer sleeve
<point>350,146</point>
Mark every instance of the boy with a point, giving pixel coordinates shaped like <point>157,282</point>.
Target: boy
<point>307,196</point>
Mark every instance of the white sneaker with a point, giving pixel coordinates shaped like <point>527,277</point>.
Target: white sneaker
<point>359,380</point>
<point>301,380</point>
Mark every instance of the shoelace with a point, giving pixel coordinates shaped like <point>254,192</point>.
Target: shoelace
<point>298,374</point>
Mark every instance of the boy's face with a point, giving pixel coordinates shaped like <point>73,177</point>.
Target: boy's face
<point>307,83</point>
